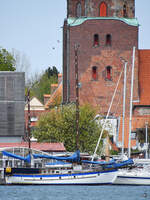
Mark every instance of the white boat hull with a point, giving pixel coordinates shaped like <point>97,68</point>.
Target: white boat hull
<point>87,178</point>
<point>132,180</point>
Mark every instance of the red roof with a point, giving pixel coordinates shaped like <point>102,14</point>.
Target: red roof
<point>144,77</point>
<point>49,147</point>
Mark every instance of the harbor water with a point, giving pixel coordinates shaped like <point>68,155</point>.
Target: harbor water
<point>74,192</point>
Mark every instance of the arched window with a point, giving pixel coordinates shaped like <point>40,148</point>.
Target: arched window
<point>96,40</point>
<point>109,73</point>
<point>103,10</point>
<point>108,40</point>
<point>78,10</point>
<point>124,11</point>
<point>94,73</point>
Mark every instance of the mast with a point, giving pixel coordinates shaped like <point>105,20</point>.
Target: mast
<point>29,119</point>
<point>131,100</point>
<point>76,47</point>
<point>124,104</point>
<point>146,139</point>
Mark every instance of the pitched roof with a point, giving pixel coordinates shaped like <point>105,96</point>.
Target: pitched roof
<point>35,104</point>
<point>144,77</point>
<point>51,147</point>
<point>56,93</point>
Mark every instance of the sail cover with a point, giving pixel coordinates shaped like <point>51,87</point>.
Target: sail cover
<point>73,158</point>
<point>121,164</point>
<point>58,164</point>
<point>26,159</point>
<point>98,162</point>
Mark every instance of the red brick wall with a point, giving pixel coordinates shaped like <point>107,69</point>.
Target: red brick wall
<point>33,113</point>
<point>124,37</point>
<point>90,8</point>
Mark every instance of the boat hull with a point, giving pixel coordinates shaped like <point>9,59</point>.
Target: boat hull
<point>132,180</point>
<point>88,178</point>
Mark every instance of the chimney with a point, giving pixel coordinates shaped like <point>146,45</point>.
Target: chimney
<point>53,88</point>
<point>59,78</point>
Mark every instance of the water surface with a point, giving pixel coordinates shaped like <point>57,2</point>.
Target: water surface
<point>74,192</point>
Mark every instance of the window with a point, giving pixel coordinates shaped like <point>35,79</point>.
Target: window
<point>34,119</point>
<point>109,73</point>
<point>124,11</point>
<point>96,40</point>
<point>94,73</point>
<point>78,10</point>
<point>108,40</point>
<point>103,10</point>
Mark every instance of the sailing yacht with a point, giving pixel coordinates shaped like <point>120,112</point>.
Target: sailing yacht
<point>74,171</point>
<point>136,175</point>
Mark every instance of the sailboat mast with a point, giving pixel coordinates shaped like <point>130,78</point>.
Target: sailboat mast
<point>131,100</point>
<point>124,104</point>
<point>77,95</point>
<point>29,119</point>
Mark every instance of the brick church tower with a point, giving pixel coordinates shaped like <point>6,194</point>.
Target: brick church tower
<point>106,32</point>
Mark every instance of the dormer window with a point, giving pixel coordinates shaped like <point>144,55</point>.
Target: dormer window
<point>103,10</point>
<point>78,10</point>
<point>108,40</point>
<point>94,73</point>
<point>96,40</point>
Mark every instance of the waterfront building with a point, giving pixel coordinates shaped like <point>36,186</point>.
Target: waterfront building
<point>12,101</point>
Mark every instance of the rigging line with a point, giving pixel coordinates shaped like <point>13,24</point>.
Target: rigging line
<point>104,124</point>
<point>128,73</point>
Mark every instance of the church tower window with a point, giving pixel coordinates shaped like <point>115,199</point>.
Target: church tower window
<point>125,11</point>
<point>78,10</point>
<point>108,40</point>
<point>103,10</point>
<point>109,73</point>
<point>94,73</point>
<point>96,40</point>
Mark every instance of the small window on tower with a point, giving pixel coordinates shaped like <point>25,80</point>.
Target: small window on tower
<point>78,10</point>
<point>109,73</point>
<point>108,40</point>
<point>94,73</point>
<point>124,11</point>
<point>103,10</point>
<point>96,40</point>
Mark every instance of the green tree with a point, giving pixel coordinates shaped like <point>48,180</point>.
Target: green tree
<point>52,71</point>
<point>60,126</point>
<point>7,61</point>
<point>141,135</point>
<point>41,84</point>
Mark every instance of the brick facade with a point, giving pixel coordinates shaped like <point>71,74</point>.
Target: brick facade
<point>90,31</point>
<point>91,8</point>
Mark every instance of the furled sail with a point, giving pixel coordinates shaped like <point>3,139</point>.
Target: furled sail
<point>73,158</point>
<point>121,164</point>
<point>26,159</point>
<point>98,162</point>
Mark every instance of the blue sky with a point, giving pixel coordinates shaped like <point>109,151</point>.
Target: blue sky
<point>34,28</point>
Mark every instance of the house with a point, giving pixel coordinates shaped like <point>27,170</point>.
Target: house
<point>36,109</point>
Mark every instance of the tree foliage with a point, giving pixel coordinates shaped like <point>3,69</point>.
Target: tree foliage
<point>60,126</point>
<point>7,61</point>
<point>141,135</point>
<point>40,85</point>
